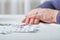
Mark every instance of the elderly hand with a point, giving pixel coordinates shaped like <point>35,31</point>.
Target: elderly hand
<point>41,14</point>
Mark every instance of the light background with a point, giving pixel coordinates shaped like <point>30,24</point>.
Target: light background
<point>14,7</point>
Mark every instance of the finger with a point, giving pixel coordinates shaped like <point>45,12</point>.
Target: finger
<point>27,20</point>
<point>24,20</point>
<point>36,21</point>
<point>31,21</point>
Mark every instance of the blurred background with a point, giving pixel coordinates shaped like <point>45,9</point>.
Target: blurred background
<point>17,7</point>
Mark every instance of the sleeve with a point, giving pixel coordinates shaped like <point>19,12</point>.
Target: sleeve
<point>47,4</point>
<point>58,18</point>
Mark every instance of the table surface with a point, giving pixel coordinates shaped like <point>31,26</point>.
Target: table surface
<point>46,32</point>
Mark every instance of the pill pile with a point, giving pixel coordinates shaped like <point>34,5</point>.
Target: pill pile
<point>12,28</point>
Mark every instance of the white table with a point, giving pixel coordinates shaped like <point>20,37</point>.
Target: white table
<point>46,32</point>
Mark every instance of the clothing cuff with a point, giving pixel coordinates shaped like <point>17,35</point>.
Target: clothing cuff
<point>58,18</point>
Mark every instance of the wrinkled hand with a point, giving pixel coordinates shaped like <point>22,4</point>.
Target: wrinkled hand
<point>41,14</point>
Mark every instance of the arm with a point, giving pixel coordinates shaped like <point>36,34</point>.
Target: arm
<point>51,6</point>
<point>44,13</point>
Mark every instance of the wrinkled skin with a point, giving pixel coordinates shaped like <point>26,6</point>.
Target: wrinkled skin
<point>37,15</point>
